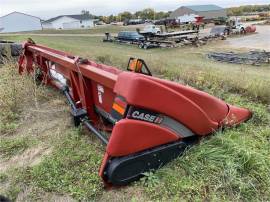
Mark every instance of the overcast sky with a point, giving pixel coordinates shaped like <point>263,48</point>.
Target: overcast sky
<point>51,8</point>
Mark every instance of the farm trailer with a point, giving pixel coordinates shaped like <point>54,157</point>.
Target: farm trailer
<point>166,40</point>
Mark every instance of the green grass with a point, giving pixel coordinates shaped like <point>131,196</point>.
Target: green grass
<point>3,177</point>
<point>8,122</point>
<point>72,168</point>
<point>189,65</point>
<point>11,147</point>
<point>8,100</point>
<point>94,30</point>
<point>233,165</point>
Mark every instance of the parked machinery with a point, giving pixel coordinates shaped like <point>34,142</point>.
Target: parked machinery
<point>9,49</point>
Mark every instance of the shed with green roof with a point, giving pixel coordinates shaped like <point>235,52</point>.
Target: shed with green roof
<point>207,11</point>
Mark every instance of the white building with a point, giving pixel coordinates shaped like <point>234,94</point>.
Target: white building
<point>69,22</point>
<point>187,18</point>
<point>19,22</point>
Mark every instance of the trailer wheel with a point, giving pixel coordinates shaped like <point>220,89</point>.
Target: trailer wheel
<point>16,49</point>
<point>145,47</point>
<point>226,32</point>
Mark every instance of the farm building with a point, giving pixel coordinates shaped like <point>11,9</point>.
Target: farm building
<point>207,11</point>
<point>19,22</point>
<point>187,18</point>
<point>69,22</point>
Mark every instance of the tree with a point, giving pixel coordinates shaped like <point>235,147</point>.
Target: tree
<point>138,14</point>
<point>112,18</point>
<point>87,14</point>
<point>125,16</point>
<point>148,13</point>
<point>241,10</point>
<point>161,15</point>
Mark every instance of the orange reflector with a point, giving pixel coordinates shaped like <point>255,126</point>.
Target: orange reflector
<point>118,108</point>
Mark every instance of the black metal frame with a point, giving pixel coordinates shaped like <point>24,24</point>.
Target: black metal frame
<point>144,65</point>
<point>123,170</point>
<point>80,116</point>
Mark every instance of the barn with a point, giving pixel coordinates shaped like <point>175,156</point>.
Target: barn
<point>69,22</point>
<point>207,11</point>
<point>19,22</point>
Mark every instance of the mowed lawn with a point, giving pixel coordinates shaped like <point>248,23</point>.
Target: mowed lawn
<point>233,165</point>
<point>95,30</point>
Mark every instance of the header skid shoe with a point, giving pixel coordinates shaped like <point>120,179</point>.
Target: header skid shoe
<point>151,120</point>
<point>123,170</point>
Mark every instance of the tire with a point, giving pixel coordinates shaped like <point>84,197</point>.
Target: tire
<point>5,50</point>
<point>16,49</point>
<point>226,32</point>
<point>12,49</point>
<point>242,31</point>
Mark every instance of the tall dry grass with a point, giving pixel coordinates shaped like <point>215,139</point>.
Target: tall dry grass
<point>16,92</point>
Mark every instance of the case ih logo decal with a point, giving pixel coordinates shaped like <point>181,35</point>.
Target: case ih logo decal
<point>144,115</point>
<point>100,90</point>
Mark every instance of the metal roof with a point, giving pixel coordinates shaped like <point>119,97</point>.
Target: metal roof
<point>202,8</point>
<point>77,17</point>
<point>18,13</point>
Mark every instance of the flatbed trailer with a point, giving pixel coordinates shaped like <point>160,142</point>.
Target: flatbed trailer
<point>164,40</point>
<point>145,44</point>
<point>169,34</point>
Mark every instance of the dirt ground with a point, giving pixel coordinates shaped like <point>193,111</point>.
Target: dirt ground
<point>260,40</point>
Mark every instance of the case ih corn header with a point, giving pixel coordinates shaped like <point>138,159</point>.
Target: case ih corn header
<point>151,120</point>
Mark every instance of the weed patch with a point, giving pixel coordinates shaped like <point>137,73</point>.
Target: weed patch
<point>72,169</point>
<point>11,147</point>
<point>217,83</point>
<point>231,165</point>
<point>15,92</point>
<point>3,177</point>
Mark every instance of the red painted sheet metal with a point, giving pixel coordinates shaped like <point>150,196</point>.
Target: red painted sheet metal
<point>197,110</point>
<point>101,74</point>
<point>130,136</point>
<point>236,116</point>
<point>251,29</point>
<point>153,95</point>
<point>215,108</point>
<point>103,98</point>
<point>103,164</point>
